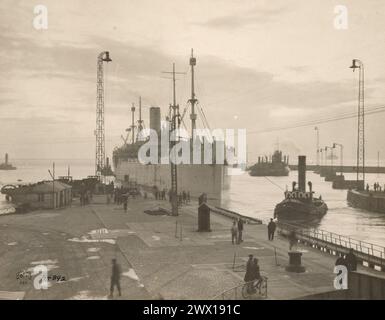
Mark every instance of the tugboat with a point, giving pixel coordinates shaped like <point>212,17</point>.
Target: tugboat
<point>299,203</point>
<point>276,167</point>
<point>6,165</point>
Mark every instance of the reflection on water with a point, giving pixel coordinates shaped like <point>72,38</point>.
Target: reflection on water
<point>257,197</point>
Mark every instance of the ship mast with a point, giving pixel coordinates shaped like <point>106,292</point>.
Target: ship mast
<point>175,122</point>
<point>193,100</point>
<point>140,121</point>
<point>133,123</point>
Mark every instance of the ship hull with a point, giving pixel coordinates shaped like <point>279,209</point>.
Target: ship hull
<point>296,209</point>
<point>193,178</point>
<point>272,172</point>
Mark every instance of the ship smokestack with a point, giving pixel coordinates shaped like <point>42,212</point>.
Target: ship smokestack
<point>155,119</point>
<point>6,158</point>
<point>302,173</point>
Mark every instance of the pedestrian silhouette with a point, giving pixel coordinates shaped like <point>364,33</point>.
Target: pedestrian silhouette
<point>115,278</point>
<point>271,229</point>
<point>234,233</point>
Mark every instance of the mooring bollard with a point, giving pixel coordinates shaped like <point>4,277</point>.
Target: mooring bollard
<point>295,262</point>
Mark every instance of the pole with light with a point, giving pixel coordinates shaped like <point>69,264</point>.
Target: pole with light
<point>317,130</point>
<point>52,174</point>
<point>357,64</point>
<point>335,144</point>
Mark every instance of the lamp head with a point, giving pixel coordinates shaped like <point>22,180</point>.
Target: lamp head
<point>354,65</point>
<point>107,57</point>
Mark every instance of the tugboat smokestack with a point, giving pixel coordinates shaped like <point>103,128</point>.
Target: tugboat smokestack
<point>302,173</point>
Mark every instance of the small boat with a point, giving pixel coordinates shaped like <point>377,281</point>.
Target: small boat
<point>299,203</point>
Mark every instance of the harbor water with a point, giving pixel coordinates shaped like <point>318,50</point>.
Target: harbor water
<point>250,196</point>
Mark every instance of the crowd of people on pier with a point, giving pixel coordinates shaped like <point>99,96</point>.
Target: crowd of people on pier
<point>121,195</point>
<point>182,198</point>
<point>237,230</point>
<point>376,187</point>
<point>85,197</point>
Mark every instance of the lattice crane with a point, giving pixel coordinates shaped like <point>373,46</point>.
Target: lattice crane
<point>100,157</point>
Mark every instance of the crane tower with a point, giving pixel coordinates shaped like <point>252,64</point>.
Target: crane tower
<point>99,133</point>
<point>357,64</point>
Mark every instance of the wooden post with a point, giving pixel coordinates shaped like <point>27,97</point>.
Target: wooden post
<point>275,255</point>
<point>234,261</point>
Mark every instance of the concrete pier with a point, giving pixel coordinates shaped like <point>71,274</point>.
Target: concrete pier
<point>162,257</point>
<point>337,168</point>
<point>367,200</point>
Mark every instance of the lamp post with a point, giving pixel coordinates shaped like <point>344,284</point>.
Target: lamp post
<point>52,174</point>
<point>361,121</point>
<point>317,130</point>
<point>331,157</point>
<point>341,154</point>
<point>326,155</point>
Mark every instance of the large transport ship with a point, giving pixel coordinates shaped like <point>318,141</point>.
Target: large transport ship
<point>195,179</point>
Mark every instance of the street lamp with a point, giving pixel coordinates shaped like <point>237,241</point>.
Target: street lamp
<point>317,130</point>
<point>341,154</point>
<point>52,174</point>
<point>361,120</point>
<point>331,156</point>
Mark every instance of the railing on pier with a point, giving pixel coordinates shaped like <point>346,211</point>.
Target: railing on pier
<point>235,215</point>
<point>239,292</point>
<point>335,243</point>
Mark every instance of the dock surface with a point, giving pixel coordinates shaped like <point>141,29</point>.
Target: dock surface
<point>79,243</point>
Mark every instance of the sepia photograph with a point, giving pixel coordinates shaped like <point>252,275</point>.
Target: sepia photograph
<point>205,153</point>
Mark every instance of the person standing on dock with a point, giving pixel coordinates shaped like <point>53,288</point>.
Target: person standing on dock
<point>271,229</point>
<point>351,261</point>
<point>240,230</point>
<point>234,233</point>
<point>184,195</point>
<point>115,278</point>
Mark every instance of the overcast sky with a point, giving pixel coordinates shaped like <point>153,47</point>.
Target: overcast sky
<point>260,64</point>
